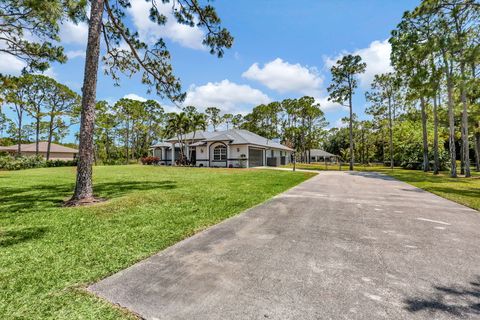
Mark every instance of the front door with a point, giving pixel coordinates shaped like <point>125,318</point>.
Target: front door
<point>193,156</point>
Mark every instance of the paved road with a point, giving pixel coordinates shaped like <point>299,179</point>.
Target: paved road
<point>339,246</point>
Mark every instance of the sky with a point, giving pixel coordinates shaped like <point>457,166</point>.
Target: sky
<point>282,49</point>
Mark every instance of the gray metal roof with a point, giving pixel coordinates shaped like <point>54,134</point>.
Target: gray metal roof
<point>320,153</point>
<point>235,136</point>
<point>162,144</point>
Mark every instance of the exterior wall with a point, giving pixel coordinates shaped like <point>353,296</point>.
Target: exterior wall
<point>277,155</point>
<point>213,163</point>
<point>202,156</point>
<point>235,158</point>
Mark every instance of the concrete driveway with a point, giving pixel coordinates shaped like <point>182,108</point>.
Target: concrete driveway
<point>339,246</point>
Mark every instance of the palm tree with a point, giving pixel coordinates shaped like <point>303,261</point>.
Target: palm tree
<point>178,125</point>
<point>197,122</point>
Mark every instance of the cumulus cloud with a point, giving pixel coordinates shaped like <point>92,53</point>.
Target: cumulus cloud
<point>72,54</point>
<point>327,106</point>
<point>226,95</point>
<point>134,96</point>
<point>150,32</point>
<point>10,64</point>
<point>376,56</point>
<point>284,77</point>
<point>72,33</point>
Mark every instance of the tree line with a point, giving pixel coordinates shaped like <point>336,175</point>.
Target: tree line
<point>427,110</point>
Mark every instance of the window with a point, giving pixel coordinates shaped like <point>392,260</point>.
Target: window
<point>271,153</point>
<point>220,153</point>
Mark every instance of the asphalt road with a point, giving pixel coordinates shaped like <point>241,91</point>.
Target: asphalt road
<point>339,246</point>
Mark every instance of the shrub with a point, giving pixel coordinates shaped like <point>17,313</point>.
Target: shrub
<point>61,163</point>
<point>150,160</point>
<point>19,163</point>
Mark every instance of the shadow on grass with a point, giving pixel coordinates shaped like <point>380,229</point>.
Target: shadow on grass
<point>43,197</point>
<point>457,301</point>
<point>372,175</point>
<point>11,237</point>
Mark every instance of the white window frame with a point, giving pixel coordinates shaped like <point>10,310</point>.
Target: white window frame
<point>220,153</point>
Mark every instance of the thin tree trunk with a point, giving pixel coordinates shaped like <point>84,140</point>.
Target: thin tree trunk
<point>477,151</point>
<point>127,138</point>
<point>451,119</point>
<point>84,186</point>
<point>390,129</point>
<point>19,134</point>
<point>424,134</point>
<point>436,162</point>
<point>37,135</point>
<point>50,134</point>
<point>466,146</point>
<point>351,131</point>
<point>462,159</point>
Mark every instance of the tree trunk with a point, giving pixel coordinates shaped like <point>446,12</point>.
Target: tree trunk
<point>84,186</point>
<point>37,135</point>
<point>50,134</point>
<point>436,162</point>
<point>466,147</point>
<point>19,135</point>
<point>477,151</point>
<point>451,120</point>
<point>127,138</point>
<point>390,129</point>
<point>462,159</point>
<point>351,131</point>
<point>424,134</point>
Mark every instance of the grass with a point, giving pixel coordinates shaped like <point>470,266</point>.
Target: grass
<point>49,254</point>
<point>465,191</point>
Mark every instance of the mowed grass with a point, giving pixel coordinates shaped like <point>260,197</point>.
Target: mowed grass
<point>465,191</point>
<point>49,254</point>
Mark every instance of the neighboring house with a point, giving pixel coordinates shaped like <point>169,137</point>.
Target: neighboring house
<point>317,155</point>
<point>230,148</point>
<point>57,152</point>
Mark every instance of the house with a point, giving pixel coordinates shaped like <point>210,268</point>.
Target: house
<point>233,148</point>
<point>317,155</point>
<point>57,152</point>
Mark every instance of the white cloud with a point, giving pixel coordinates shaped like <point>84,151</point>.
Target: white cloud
<point>134,96</point>
<point>72,54</point>
<point>49,73</point>
<point>283,77</point>
<point>10,64</point>
<point>150,31</point>
<point>376,56</point>
<point>327,106</point>
<point>72,33</point>
<point>226,95</point>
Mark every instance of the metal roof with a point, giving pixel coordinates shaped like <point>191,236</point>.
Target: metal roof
<point>320,153</point>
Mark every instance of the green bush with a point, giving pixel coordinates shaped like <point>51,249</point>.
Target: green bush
<point>19,163</point>
<point>61,163</point>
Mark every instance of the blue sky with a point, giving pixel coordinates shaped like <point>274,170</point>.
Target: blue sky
<point>283,49</point>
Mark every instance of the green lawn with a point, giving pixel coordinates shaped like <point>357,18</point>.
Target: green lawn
<point>49,253</point>
<point>462,190</point>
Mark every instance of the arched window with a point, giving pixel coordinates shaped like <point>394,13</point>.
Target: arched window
<point>220,153</point>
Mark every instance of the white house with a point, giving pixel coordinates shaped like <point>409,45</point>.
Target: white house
<point>317,155</point>
<point>230,148</point>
